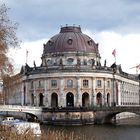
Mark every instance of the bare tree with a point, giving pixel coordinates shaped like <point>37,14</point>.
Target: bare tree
<point>8,39</point>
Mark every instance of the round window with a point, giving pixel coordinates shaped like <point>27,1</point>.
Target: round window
<point>69,41</point>
<point>70,60</point>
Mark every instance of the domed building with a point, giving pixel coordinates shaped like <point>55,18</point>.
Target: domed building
<point>71,76</point>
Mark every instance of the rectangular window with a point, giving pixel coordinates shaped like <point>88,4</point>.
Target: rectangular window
<point>99,83</point>
<point>85,83</point>
<point>53,83</point>
<point>108,84</point>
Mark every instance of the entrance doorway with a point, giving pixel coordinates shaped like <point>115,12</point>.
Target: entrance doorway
<point>85,99</point>
<point>99,99</point>
<point>54,100</point>
<point>41,99</point>
<point>69,99</point>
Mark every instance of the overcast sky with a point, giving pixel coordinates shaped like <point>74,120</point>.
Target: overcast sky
<point>114,24</point>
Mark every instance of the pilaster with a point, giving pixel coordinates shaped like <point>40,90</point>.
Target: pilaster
<point>62,97</point>
<point>94,92</point>
<point>78,96</point>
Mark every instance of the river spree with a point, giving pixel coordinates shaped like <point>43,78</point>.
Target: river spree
<point>123,130</point>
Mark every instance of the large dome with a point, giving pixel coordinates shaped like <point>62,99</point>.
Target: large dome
<point>70,39</point>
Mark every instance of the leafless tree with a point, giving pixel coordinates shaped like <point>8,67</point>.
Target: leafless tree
<point>8,39</point>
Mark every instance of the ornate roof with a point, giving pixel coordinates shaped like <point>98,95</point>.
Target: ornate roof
<point>70,39</point>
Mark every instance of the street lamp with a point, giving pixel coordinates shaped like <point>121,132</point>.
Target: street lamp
<point>139,87</point>
<point>114,66</point>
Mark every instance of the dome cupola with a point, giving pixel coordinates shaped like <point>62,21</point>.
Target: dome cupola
<point>70,48</point>
<point>70,39</point>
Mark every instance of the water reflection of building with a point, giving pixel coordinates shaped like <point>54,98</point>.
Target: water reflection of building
<point>71,75</point>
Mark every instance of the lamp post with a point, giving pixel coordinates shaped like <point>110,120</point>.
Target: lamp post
<point>139,87</point>
<point>114,71</point>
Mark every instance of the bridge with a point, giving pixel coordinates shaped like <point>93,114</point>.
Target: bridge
<point>105,115</point>
<point>29,110</point>
<point>102,114</point>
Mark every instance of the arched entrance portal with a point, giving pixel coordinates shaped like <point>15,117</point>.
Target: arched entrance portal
<point>69,99</point>
<point>108,99</point>
<point>54,100</point>
<point>99,99</point>
<point>32,99</point>
<point>41,99</point>
<point>85,99</point>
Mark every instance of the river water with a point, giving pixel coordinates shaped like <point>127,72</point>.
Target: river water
<point>123,130</point>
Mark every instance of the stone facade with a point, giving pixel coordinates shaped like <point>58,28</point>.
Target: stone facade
<point>71,75</point>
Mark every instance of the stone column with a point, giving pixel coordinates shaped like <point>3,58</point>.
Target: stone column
<point>45,94</point>
<point>119,93</point>
<point>48,95</point>
<point>61,96</point>
<point>104,92</point>
<point>112,93</point>
<point>78,96</point>
<point>94,92</point>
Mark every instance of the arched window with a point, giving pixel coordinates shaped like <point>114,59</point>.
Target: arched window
<point>85,99</point>
<point>41,99</point>
<point>69,99</point>
<point>99,99</point>
<point>54,100</point>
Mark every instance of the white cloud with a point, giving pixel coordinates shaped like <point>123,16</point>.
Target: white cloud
<point>35,50</point>
<point>123,18</point>
<point>38,22</point>
<point>127,50</point>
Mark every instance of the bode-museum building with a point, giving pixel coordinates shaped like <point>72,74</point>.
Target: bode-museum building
<point>71,75</point>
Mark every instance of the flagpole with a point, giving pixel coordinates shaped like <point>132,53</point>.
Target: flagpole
<point>26,56</point>
<point>114,54</point>
<point>115,59</point>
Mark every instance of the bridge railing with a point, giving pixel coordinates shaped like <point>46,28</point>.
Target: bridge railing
<point>82,109</point>
<point>69,109</point>
<point>19,107</point>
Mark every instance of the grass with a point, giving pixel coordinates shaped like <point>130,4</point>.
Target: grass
<point>7,133</point>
